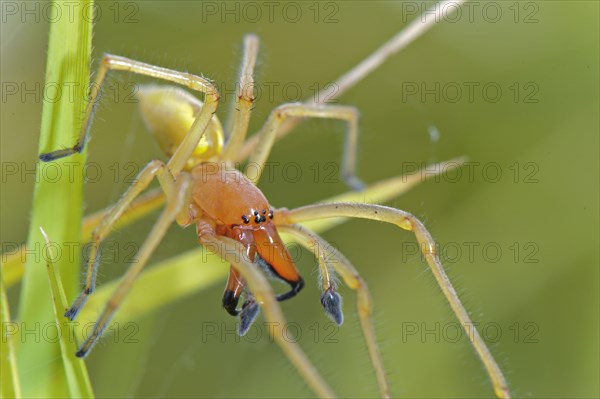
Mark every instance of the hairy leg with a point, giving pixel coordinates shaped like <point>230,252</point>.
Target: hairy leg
<point>326,253</point>
<point>234,253</point>
<point>176,203</point>
<point>408,222</point>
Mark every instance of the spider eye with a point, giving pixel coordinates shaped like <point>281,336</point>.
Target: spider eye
<point>245,219</point>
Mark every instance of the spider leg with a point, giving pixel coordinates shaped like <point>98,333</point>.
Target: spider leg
<point>117,63</point>
<point>408,222</point>
<point>234,253</point>
<point>381,191</point>
<point>153,169</point>
<point>178,199</point>
<point>327,255</point>
<point>237,125</point>
<point>418,26</point>
<point>280,114</point>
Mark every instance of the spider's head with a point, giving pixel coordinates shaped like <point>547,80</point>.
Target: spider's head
<point>168,113</point>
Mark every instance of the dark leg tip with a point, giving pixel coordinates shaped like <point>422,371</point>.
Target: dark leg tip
<point>51,156</point>
<point>72,312</point>
<point>81,353</point>
<point>46,157</point>
<point>355,183</point>
<point>332,303</point>
<point>247,316</point>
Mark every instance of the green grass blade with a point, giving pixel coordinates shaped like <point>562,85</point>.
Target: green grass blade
<point>10,386</point>
<point>57,203</point>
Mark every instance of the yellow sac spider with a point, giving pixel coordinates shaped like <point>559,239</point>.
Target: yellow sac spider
<point>233,218</point>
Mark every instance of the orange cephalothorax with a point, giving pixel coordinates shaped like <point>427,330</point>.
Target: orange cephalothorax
<point>239,210</point>
<point>228,197</point>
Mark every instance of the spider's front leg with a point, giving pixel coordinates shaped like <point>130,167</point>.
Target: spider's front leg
<point>154,168</point>
<point>178,196</point>
<point>117,63</point>
<point>235,254</point>
<point>329,257</point>
<point>166,174</point>
<point>408,222</point>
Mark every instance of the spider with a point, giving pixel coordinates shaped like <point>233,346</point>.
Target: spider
<point>233,218</point>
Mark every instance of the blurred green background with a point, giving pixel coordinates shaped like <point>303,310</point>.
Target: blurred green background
<point>537,298</point>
